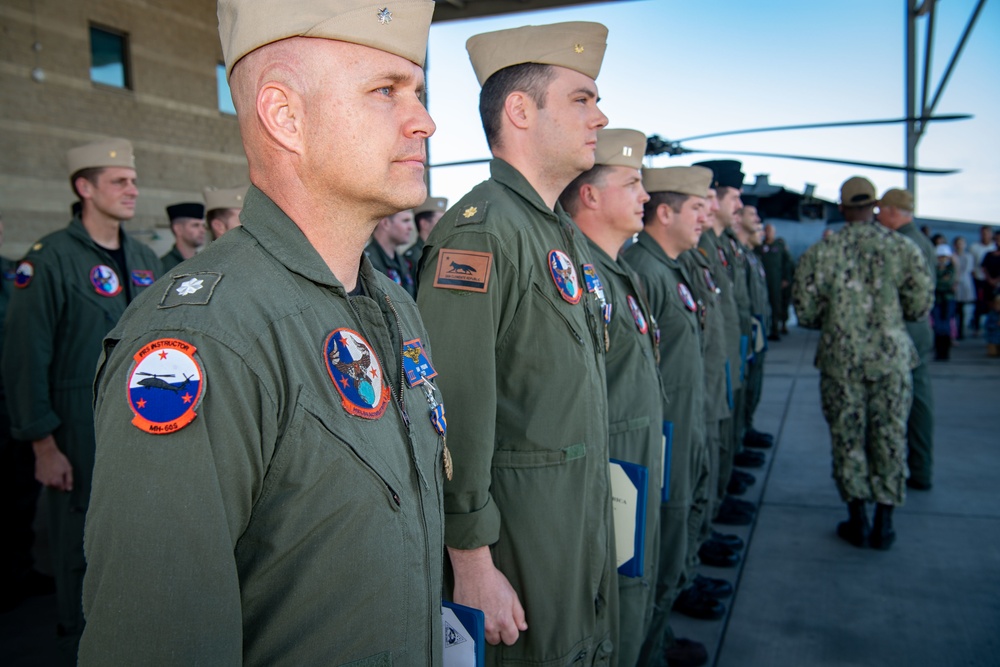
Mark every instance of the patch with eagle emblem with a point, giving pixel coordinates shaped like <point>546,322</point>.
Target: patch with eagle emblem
<point>356,373</point>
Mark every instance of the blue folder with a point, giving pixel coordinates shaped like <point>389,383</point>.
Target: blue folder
<point>668,446</point>
<point>639,476</point>
<point>473,628</point>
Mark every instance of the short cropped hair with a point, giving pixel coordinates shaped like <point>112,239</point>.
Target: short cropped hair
<point>530,78</point>
<point>570,197</point>
<point>90,173</point>
<point>675,200</point>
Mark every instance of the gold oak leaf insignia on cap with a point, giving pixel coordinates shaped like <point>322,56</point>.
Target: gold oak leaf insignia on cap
<point>470,211</point>
<point>384,16</point>
<point>578,48</point>
<point>112,153</point>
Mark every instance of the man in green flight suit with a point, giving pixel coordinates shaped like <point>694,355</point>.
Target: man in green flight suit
<point>606,204</point>
<point>521,355</point>
<point>267,488</point>
<point>895,211</point>
<point>187,223</point>
<point>391,232</point>
<point>673,220</point>
<point>858,286</point>
<point>779,268</point>
<point>425,217</point>
<point>70,289</point>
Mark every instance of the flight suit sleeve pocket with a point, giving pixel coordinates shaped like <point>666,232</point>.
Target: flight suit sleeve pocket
<point>538,458</point>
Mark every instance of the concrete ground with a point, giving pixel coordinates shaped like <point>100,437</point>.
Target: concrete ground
<point>803,597</point>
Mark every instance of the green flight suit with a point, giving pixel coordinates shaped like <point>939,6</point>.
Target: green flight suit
<point>522,362</point>
<point>717,393</point>
<point>858,286</point>
<point>297,518</point>
<point>395,267</point>
<point>171,259</point>
<point>635,415</point>
<point>778,267</point>
<point>723,275</point>
<point>55,323</point>
<point>920,423</point>
<point>741,291</point>
<point>682,369</point>
<point>760,309</point>
<point>412,259</point>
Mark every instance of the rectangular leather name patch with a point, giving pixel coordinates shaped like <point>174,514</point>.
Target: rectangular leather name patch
<point>467,270</point>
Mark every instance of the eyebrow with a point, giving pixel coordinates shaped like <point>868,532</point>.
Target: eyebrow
<point>589,92</point>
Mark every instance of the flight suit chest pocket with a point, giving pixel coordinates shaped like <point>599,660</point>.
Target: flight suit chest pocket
<point>553,312</point>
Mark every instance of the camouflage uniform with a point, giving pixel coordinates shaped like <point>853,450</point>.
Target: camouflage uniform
<point>858,286</point>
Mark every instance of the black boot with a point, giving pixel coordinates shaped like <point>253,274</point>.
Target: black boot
<point>883,535</point>
<point>856,529</point>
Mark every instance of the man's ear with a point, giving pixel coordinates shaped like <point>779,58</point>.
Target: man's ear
<point>281,114</point>
<point>519,109</point>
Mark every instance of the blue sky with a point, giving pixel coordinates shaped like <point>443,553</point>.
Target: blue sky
<point>678,68</point>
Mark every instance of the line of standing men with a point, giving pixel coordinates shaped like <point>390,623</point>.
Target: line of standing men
<point>297,507</point>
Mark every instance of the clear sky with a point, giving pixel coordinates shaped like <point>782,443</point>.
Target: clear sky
<point>679,68</point>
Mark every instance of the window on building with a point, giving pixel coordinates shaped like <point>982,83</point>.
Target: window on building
<point>225,95</point>
<point>109,58</point>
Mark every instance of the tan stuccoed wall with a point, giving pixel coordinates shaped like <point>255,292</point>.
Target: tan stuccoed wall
<point>182,142</point>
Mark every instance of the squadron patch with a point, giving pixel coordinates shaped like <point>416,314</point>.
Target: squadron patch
<point>394,276</point>
<point>105,280</point>
<point>640,320</point>
<point>416,366</point>
<point>25,272</point>
<point>686,297</point>
<point>142,278</point>
<point>356,373</point>
<point>596,287</point>
<point>165,387</point>
<point>466,270</point>
<point>564,276</point>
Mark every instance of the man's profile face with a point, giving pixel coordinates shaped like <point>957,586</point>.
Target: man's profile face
<point>729,203</point>
<point>365,126</point>
<point>114,193</point>
<point>191,231</point>
<point>399,227</point>
<point>622,197</point>
<point>566,129</point>
<point>769,233</point>
<point>689,222</point>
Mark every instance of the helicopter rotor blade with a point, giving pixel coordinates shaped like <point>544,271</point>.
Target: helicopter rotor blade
<point>830,160</point>
<point>848,123</point>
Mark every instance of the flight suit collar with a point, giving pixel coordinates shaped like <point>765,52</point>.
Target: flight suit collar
<point>80,233</point>
<point>651,246</point>
<point>281,237</point>
<point>503,173</point>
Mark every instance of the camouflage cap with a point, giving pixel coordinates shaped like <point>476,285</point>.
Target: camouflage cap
<point>109,153</point>
<point>857,191</point>
<point>577,45</point>
<point>432,204</point>
<point>620,148</point>
<point>216,198</point>
<point>682,180</point>
<point>399,27</point>
<point>901,199</point>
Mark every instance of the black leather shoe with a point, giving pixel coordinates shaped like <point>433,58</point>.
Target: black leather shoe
<point>685,653</point>
<point>734,542</point>
<point>748,459</point>
<point>716,554</point>
<point>758,440</point>
<point>742,505</point>
<point>918,485</point>
<point>744,477</point>
<point>736,487</point>
<point>882,535</point>
<point>856,529</point>
<point>691,602</point>
<point>774,337</point>
<point>730,515</point>
<point>713,588</point>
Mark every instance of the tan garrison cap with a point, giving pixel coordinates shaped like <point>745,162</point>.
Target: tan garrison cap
<point>110,153</point>
<point>901,199</point>
<point>620,148</point>
<point>857,191</point>
<point>432,204</point>
<point>578,45</point>
<point>216,198</point>
<point>395,26</point>
<point>684,180</point>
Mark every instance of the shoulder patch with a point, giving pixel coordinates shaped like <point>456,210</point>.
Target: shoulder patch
<point>25,272</point>
<point>703,252</point>
<point>165,387</point>
<point>467,270</point>
<point>471,214</point>
<point>191,289</point>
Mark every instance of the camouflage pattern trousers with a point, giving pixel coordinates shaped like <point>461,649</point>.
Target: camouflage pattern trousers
<point>867,421</point>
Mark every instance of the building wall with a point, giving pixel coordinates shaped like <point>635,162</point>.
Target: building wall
<point>182,142</point>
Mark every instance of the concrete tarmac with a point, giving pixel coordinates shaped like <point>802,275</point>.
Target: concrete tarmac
<point>803,597</point>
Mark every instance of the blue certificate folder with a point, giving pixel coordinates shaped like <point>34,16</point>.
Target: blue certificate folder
<point>464,631</point>
<point>668,446</point>
<point>632,503</point>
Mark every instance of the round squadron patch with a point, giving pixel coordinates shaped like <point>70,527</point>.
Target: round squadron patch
<point>25,272</point>
<point>356,373</point>
<point>640,320</point>
<point>105,280</point>
<point>165,387</point>
<point>394,276</point>
<point>709,281</point>
<point>564,275</point>
<point>686,297</point>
